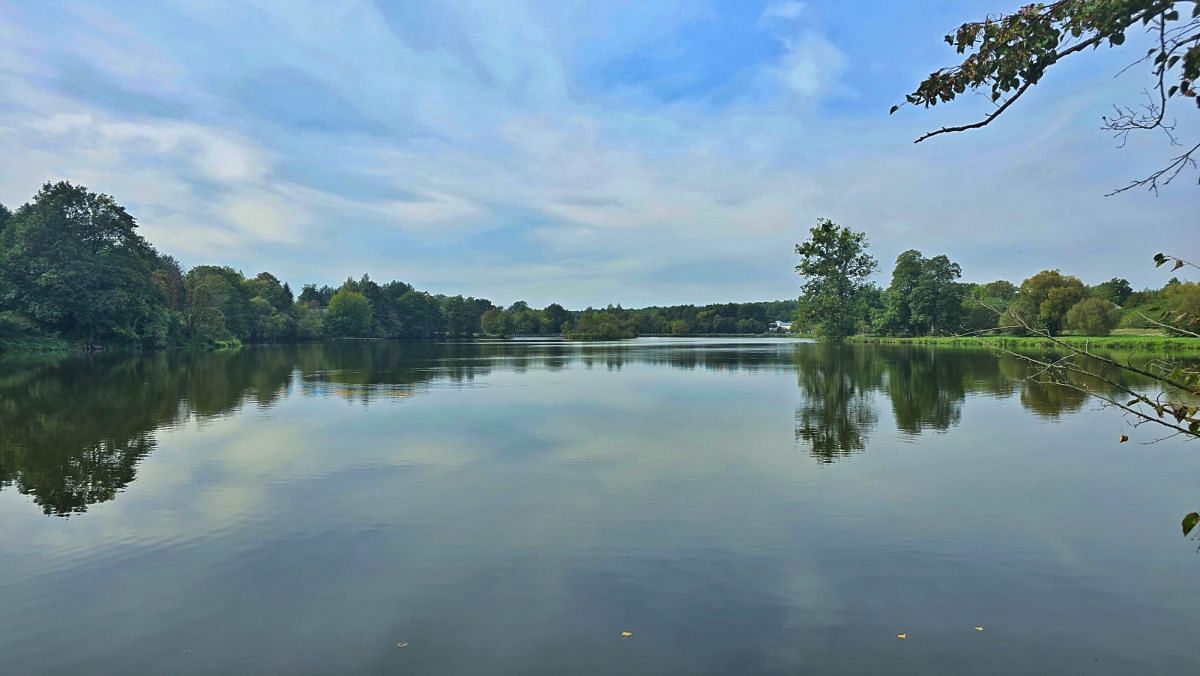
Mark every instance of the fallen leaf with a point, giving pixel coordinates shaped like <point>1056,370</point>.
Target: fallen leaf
<point>402,644</point>
<point>1124,438</point>
<point>978,628</point>
<point>626,634</point>
<point>902,636</point>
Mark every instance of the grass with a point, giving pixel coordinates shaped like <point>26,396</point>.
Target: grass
<point>35,344</point>
<point>1153,343</point>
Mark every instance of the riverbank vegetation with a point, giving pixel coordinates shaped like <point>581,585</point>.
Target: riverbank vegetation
<point>926,300</point>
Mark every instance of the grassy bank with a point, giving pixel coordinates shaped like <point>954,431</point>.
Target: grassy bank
<point>1122,342</point>
<point>36,345</point>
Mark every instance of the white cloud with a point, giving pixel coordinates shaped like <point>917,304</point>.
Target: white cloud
<point>810,65</point>
<point>488,126</point>
<point>787,10</point>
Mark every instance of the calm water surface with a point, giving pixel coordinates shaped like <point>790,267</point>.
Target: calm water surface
<point>765,507</point>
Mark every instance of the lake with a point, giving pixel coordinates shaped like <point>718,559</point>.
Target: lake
<point>736,505</point>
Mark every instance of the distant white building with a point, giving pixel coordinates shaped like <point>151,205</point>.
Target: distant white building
<point>780,327</point>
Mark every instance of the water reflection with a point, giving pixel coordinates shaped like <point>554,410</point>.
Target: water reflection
<point>837,414</point>
<point>926,388</point>
<point>72,432</point>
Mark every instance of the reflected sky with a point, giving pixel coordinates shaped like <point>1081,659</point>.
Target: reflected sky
<point>511,507</point>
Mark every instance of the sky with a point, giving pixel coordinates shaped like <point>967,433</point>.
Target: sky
<point>586,153</point>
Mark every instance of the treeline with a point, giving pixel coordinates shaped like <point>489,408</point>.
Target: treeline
<point>926,297</point>
<point>73,265</point>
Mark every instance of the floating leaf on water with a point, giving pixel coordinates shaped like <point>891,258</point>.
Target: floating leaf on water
<point>626,634</point>
<point>902,636</point>
<point>1189,522</point>
<point>402,644</point>
<point>978,628</point>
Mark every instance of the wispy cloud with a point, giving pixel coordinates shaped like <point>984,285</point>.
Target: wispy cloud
<point>657,152</point>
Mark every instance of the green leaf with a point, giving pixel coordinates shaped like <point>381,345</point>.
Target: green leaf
<point>1178,264</point>
<point>1189,522</point>
<point>894,109</point>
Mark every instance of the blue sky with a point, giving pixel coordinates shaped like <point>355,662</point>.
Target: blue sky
<point>643,152</point>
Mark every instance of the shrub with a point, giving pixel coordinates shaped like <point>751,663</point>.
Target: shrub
<point>1093,317</point>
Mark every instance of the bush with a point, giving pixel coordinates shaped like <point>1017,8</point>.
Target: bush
<point>1093,317</point>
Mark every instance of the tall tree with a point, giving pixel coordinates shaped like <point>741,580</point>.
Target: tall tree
<point>897,315</point>
<point>349,315</point>
<point>936,301</point>
<point>72,261</point>
<point>835,265</point>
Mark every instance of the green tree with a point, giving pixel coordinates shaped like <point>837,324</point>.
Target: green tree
<point>310,325</point>
<point>924,296</point>
<point>1182,310</point>
<point>835,265</point>
<point>556,318</point>
<point>936,302</point>
<point>1115,290</point>
<point>897,315</point>
<point>492,322</point>
<point>349,315</point>
<point>72,261</point>
<point>1093,317</point>
<point>218,305</point>
<point>1043,301</point>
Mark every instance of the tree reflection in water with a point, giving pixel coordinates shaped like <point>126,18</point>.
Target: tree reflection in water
<point>73,431</point>
<point>925,386</point>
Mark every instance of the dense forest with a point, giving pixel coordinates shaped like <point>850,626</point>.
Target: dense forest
<point>73,266</point>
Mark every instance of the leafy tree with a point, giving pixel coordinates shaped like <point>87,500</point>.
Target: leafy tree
<point>268,287</point>
<point>983,305</point>
<point>349,315</point>
<point>1093,317</point>
<point>492,322</point>
<point>835,264</point>
<point>607,324</point>
<point>72,261</point>
<point>936,302</point>
<point>310,325</point>
<point>897,315</point>
<point>1115,290</point>
<point>1000,289</point>
<point>1182,311</point>
<point>924,296</point>
<point>1010,53</point>
<point>310,296</point>
<point>420,315</point>
<point>218,304</point>
<point>463,315</point>
<point>1043,301</point>
<point>557,318</point>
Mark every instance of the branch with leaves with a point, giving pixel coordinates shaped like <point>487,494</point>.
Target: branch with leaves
<point>1009,53</point>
